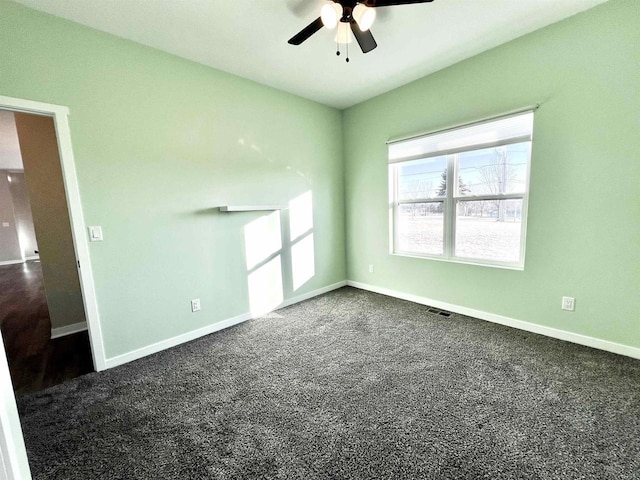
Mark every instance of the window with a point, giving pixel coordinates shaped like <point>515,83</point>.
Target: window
<point>461,194</point>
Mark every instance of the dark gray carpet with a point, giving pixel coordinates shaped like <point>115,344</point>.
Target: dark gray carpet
<point>349,385</point>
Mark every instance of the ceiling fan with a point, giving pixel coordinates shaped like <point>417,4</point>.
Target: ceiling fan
<point>350,16</point>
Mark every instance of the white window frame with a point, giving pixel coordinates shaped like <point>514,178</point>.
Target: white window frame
<point>452,198</point>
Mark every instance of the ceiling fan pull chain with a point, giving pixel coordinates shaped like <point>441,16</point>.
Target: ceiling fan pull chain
<point>347,52</point>
<point>338,48</point>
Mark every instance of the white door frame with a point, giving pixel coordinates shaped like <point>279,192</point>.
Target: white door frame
<point>12,450</point>
<point>13,453</point>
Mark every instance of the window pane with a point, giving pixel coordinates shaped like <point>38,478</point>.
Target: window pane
<point>420,228</point>
<point>493,171</point>
<point>489,230</point>
<point>422,179</point>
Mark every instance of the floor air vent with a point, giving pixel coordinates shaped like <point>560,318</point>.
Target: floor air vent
<point>442,313</point>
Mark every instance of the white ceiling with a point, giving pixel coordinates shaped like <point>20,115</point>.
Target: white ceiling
<point>10,157</point>
<point>249,37</point>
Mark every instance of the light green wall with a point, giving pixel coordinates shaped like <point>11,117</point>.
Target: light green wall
<point>158,142</point>
<point>583,236</point>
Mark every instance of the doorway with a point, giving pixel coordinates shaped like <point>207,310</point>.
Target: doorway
<point>41,307</point>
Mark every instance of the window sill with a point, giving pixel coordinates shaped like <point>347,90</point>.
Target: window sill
<point>475,262</point>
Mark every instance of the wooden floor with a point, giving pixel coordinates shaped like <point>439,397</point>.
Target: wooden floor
<point>35,361</point>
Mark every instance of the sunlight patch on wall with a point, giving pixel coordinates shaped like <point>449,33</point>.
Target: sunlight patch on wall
<point>301,236</point>
<point>262,238</point>
<point>265,287</point>
<point>302,261</point>
<point>263,245</point>
<point>301,215</point>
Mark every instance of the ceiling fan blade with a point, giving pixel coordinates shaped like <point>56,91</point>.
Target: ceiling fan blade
<point>306,32</point>
<point>365,39</point>
<point>389,3</point>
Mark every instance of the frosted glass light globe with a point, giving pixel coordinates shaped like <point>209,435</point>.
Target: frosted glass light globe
<point>364,16</point>
<point>330,14</point>
<point>343,35</point>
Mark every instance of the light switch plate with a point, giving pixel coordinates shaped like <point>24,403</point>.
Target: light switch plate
<point>195,305</point>
<point>568,303</point>
<point>95,233</point>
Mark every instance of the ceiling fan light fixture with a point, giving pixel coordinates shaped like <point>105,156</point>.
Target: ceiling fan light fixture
<point>330,14</point>
<point>343,35</point>
<point>364,16</point>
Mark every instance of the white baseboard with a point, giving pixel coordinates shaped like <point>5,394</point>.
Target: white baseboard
<point>314,293</point>
<point>189,336</point>
<point>174,341</point>
<point>592,342</point>
<point>68,329</point>
<point>14,262</point>
<point>11,262</point>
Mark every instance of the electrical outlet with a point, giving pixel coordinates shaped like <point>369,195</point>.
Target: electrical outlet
<point>371,268</point>
<point>195,305</point>
<point>568,303</point>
